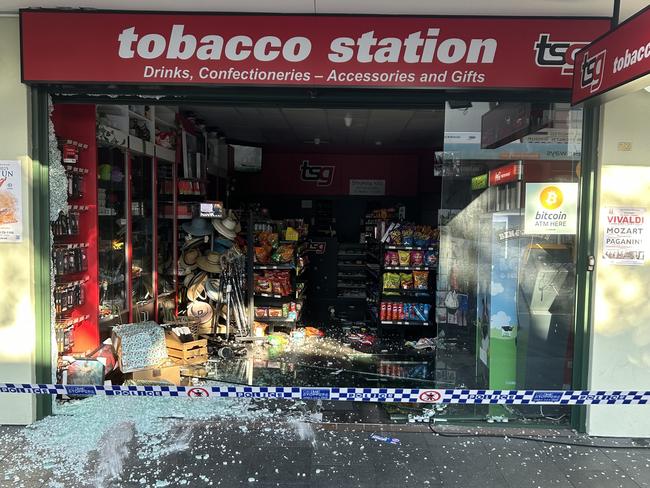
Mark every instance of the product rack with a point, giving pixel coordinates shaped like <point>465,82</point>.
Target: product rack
<point>272,299</point>
<point>377,294</point>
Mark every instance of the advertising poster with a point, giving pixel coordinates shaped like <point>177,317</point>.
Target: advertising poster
<point>625,236</point>
<point>551,208</point>
<point>11,212</point>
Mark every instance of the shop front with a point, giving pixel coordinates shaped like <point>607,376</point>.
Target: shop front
<point>613,84</point>
<point>311,201</point>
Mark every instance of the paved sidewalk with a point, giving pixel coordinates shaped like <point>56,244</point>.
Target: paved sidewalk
<point>275,450</point>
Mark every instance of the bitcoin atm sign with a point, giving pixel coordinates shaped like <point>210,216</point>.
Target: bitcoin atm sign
<point>551,208</point>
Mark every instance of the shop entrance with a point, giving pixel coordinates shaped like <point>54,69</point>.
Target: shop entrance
<point>331,245</point>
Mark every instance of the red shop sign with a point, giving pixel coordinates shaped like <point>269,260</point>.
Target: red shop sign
<point>614,59</point>
<point>293,50</point>
<point>505,174</point>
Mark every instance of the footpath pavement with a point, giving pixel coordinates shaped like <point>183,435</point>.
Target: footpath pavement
<point>268,447</point>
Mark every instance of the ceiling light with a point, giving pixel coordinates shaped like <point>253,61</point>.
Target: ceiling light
<point>647,88</point>
<point>348,120</point>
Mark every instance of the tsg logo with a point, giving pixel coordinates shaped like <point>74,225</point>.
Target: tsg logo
<point>591,71</point>
<point>321,175</point>
<point>556,54</point>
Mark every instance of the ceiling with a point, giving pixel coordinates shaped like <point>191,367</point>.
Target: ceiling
<point>407,7</point>
<point>302,126</point>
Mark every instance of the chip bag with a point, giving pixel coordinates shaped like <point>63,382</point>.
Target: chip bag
<point>404,258</point>
<point>420,280</point>
<point>391,281</point>
<point>406,281</point>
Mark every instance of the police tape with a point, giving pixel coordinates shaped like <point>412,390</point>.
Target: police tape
<point>387,395</point>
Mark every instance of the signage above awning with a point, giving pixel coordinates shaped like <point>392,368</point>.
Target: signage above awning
<point>615,63</point>
<point>295,50</point>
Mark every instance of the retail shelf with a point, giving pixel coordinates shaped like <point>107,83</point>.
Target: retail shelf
<point>408,268</point>
<point>276,320</point>
<point>356,286</point>
<point>270,295</point>
<point>410,248</point>
<point>76,170</point>
<point>76,245</point>
<point>78,208</point>
<point>352,265</point>
<point>67,323</point>
<point>274,266</point>
<point>405,322</point>
<point>69,284</point>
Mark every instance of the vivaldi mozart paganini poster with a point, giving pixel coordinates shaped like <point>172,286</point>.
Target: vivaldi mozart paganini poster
<point>11,212</point>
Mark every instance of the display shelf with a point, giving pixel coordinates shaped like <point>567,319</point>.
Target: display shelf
<point>73,245</point>
<point>409,268</point>
<point>271,295</point>
<point>67,323</point>
<point>274,266</point>
<point>405,322</point>
<point>69,284</point>
<point>276,320</point>
<point>76,170</point>
<point>391,247</point>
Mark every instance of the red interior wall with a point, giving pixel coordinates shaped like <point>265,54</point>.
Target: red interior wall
<point>77,122</point>
<point>281,174</point>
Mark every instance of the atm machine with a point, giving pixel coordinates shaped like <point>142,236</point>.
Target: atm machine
<point>545,315</point>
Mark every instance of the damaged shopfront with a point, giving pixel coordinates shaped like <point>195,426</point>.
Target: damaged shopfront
<point>311,201</point>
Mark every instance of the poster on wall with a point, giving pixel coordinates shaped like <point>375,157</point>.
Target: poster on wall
<point>625,236</point>
<point>11,212</point>
<point>368,187</point>
<point>551,208</point>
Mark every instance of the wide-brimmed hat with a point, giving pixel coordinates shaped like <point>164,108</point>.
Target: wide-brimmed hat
<point>210,262</point>
<point>197,227</point>
<point>189,258</point>
<point>196,288</point>
<point>223,242</point>
<point>201,311</point>
<point>195,241</point>
<point>227,227</point>
<point>212,286</point>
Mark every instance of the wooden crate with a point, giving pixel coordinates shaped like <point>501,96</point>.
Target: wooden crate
<point>186,353</point>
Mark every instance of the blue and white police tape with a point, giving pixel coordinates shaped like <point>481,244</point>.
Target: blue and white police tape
<point>387,395</point>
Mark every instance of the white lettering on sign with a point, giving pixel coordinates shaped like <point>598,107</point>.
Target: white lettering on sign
<point>367,48</point>
<point>631,57</point>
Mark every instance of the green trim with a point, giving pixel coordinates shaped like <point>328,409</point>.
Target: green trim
<point>586,247</point>
<point>41,239</point>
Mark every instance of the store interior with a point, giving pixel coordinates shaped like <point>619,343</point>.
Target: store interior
<point>292,246</point>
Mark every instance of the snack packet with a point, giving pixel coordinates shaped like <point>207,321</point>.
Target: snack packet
<point>417,258</point>
<point>395,237</point>
<point>404,258</point>
<point>430,258</point>
<point>391,281</point>
<point>406,281</point>
<point>407,236</point>
<point>420,280</point>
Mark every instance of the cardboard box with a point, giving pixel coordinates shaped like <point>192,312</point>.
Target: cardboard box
<point>164,374</point>
<point>186,353</point>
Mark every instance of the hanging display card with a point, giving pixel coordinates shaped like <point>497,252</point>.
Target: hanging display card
<point>11,211</point>
<point>625,236</point>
